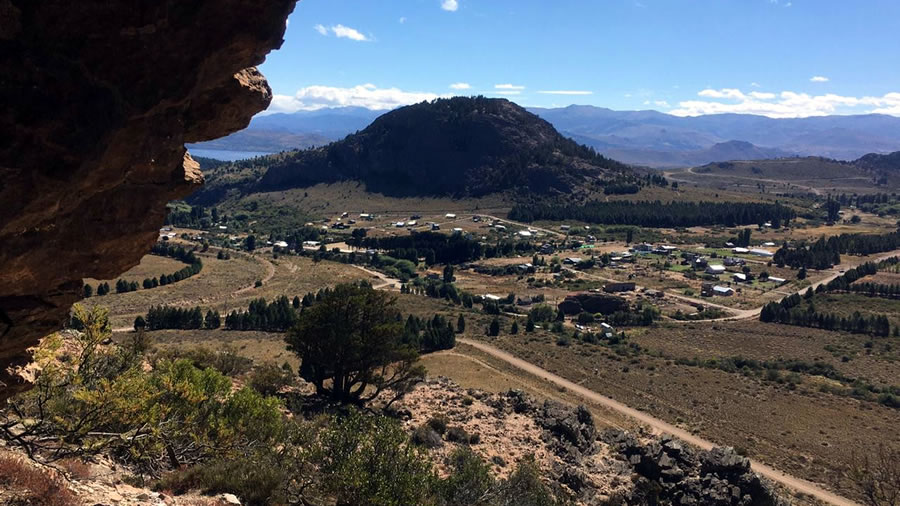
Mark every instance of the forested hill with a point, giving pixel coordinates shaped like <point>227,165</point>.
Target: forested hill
<point>455,147</point>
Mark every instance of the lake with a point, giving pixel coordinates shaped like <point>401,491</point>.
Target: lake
<point>225,155</point>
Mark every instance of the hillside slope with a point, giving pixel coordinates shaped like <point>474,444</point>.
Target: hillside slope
<point>449,147</point>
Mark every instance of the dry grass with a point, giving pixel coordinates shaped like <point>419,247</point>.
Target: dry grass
<point>21,483</point>
<point>151,266</point>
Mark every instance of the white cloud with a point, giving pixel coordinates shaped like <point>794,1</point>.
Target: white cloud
<point>450,5</point>
<point>818,79</point>
<point>461,86</point>
<point>321,29</point>
<point>508,87</point>
<point>347,32</point>
<point>754,84</point>
<point>566,92</point>
<point>661,103</point>
<point>402,19</point>
<point>365,95</point>
<point>786,104</point>
<point>505,93</point>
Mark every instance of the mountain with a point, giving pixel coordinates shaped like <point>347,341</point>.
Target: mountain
<point>448,147</point>
<point>277,132</point>
<point>662,159</point>
<point>658,139</point>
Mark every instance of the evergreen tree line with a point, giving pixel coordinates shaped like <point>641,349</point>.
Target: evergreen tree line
<point>195,217</point>
<point>439,248</point>
<point>161,249</point>
<point>430,335</point>
<point>790,312</point>
<point>847,281</point>
<point>825,253</point>
<point>277,316</point>
<point>168,317</point>
<point>657,213</point>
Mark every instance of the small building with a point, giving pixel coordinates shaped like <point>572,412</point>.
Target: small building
<point>769,244</point>
<point>572,261</point>
<point>500,227</point>
<point>400,224</point>
<point>777,281</point>
<point>761,252</point>
<point>739,277</point>
<point>644,247</point>
<point>618,287</point>
<point>740,251</point>
<point>412,223</point>
<point>281,244</point>
<point>457,230</point>
<point>723,291</point>
<point>525,233</point>
<point>715,269</point>
<point>733,261</point>
<point>495,298</point>
<point>476,218</point>
<point>311,244</point>
<point>366,216</point>
<point>450,216</point>
<point>546,249</point>
<point>435,226</point>
<point>564,227</point>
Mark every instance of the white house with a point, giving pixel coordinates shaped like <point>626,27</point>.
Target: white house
<point>723,291</point>
<point>281,244</point>
<point>494,298</point>
<point>311,244</point>
<point>500,227</point>
<point>761,252</point>
<point>739,277</point>
<point>770,243</point>
<point>525,233</point>
<point>400,224</point>
<point>740,250</point>
<point>365,216</point>
<point>777,281</point>
<point>450,216</point>
<point>715,269</point>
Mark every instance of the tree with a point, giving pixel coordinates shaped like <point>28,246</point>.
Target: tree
<point>212,320</point>
<point>296,302</point>
<point>448,274</point>
<point>629,236</point>
<point>494,328</point>
<point>351,348</point>
<point>877,477</point>
<point>460,324</point>
<point>514,329</point>
<point>88,291</point>
<point>139,323</point>
<point>801,274</point>
<point>251,242</point>
<point>529,324</point>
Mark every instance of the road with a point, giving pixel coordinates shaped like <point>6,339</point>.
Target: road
<point>657,425</point>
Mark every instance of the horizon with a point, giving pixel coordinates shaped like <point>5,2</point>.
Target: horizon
<point>789,59</point>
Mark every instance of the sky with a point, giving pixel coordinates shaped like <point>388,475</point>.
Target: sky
<point>776,58</point>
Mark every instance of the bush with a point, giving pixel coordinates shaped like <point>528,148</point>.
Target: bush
<point>268,379</point>
<point>25,484</point>
<point>438,423</point>
<point>457,435</point>
<point>427,437</point>
<point>256,480</point>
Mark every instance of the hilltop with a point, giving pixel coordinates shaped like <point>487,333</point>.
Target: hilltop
<point>453,147</point>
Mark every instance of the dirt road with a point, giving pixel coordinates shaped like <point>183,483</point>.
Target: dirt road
<point>656,424</point>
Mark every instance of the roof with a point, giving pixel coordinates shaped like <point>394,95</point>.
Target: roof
<point>742,277</point>
<point>762,252</point>
<point>722,289</point>
<point>740,250</point>
<point>491,297</point>
<point>716,268</point>
<point>776,279</point>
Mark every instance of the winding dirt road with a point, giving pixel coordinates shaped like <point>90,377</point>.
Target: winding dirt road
<point>658,426</point>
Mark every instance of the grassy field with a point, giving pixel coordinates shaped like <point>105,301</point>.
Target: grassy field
<point>151,266</point>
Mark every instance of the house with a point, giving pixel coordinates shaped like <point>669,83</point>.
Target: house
<point>450,216</point>
<point>669,248</point>
<point>415,217</point>
<point>777,281</point>
<point>281,244</point>
<point>500,227</point>
<point>546,249</point>
<point>223,227</point>
<point>715,269</point>
<point>435,226</point>
<point>344,215</point>
<point>761,252</point>
<point>643,247</point>
<point>311,244</point>
<point>412,223</point>
<point>739,277</point>
<point>400,224</point>
<point>564,227</point>
<point>618,287</point>
<point>572,261</point>
<point>457,230</point>
<point>723,291</point>
<point>494,298</point>
<point>769,244</point>
<point>740,251</point>
<point>366,216</point>
<point>525,233</point>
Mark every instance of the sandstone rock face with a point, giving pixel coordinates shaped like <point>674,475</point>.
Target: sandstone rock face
<point>98,100</point>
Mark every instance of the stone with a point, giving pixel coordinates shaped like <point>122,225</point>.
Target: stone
<point>99,99</point>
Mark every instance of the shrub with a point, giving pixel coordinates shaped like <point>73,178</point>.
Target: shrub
<point>256,480</point>
<point>25,484</point>
<point>427,437</point>
<point>438,423</point>
<point>457,435</point>
<point>268,379</point>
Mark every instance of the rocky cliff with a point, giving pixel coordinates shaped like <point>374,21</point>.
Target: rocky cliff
<point>98,100</point>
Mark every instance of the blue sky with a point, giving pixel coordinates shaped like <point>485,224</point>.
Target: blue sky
<point>774,57</point>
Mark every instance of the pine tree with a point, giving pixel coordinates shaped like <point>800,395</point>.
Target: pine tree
<point>88,291</point>
<point>514,329</point>
<point>529,325</point>
<point>494,328</point>
<point>139,323</point>
<point>460,324</point>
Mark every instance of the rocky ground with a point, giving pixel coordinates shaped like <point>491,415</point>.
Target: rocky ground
<point>596,467</point>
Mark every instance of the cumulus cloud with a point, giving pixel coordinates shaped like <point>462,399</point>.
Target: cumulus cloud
<point>786,104</point>
<point>508,87</point>
<point>818,79</point>
<point>566,92</point>
<point>450,5</point>
<point>341,31</point>
<point>461,86</point>
<point>369,96</point>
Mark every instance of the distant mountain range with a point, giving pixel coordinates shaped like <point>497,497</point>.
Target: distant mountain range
<point>450,147</point>
<point>647,138</point>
